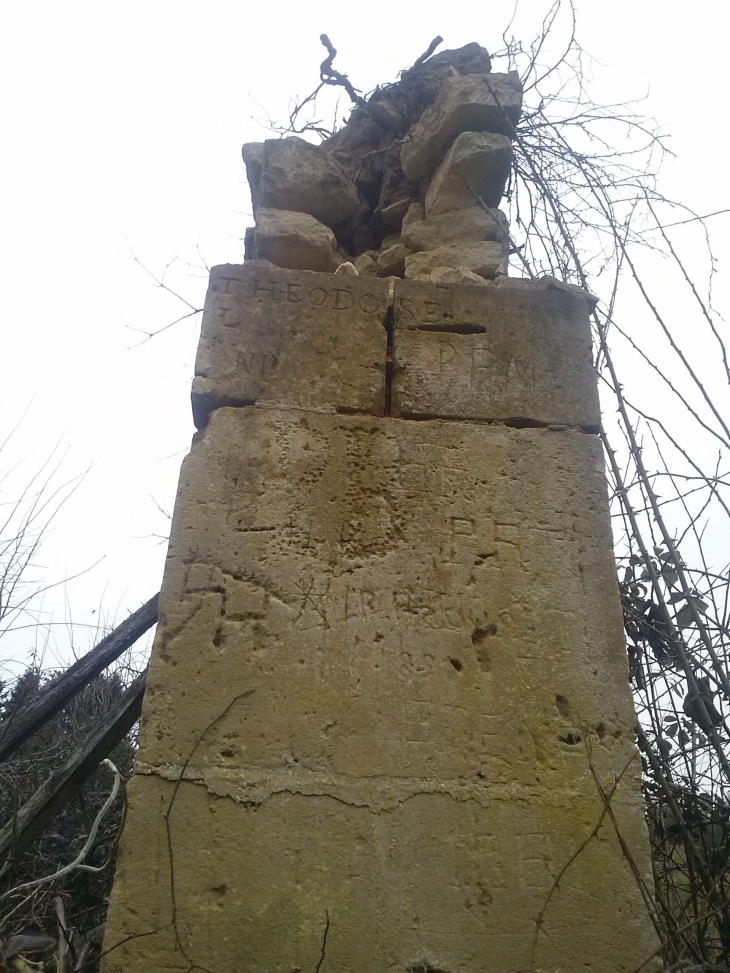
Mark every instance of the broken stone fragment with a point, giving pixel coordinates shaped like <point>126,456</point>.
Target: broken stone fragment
<point>460,226</point>
<point>393,215</point>
<point>387,115</point>
<point>414,214</point>
<point>348,268</point>
<point>392,262</point>
<point>360,147</point>
<point>452,275</point>
<point>366,266</point>
<point>485,258</point>
<point>296,241</point>
<point>467,103</point>
<point>291,174</point>
<point>419,86</point>
<point>477,165</point>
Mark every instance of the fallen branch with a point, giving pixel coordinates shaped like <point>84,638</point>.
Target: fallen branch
<point>88,844</point>
<point>48,800</point>
<point>15,730</point>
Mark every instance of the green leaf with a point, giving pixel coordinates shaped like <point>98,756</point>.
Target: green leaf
<point>670,576</point>
<point>658,551</point>
<point>677,596</point>
<point>684,618</point>
<point>672,728</point>
<point>700,605</point>
<point>635,559</point>
<point>683,738</point>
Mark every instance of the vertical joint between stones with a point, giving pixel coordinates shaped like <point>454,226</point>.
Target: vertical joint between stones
<point>389,324</point>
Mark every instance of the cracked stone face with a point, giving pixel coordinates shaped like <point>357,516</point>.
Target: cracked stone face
<point>390,659</point>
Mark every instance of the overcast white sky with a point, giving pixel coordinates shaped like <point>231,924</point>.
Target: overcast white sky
<point>122,126</point>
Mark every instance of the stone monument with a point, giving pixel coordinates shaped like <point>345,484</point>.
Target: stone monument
<point>388,723</point>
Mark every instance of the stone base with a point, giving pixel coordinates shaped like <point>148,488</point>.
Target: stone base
<point>425,616</point>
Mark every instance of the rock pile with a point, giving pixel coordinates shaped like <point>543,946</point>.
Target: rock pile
<point>409,187</point>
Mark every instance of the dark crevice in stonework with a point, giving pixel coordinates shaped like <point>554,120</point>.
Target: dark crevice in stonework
<point>389,324</point>
<point>345,410</point>
<point>451,328</point>
<point>513,422</point>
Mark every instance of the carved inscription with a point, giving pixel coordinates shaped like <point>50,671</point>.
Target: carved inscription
<point>338,297</point>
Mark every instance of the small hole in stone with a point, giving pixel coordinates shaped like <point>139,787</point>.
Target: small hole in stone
<point>601,730</point>
<point>570,738</point>
<point>480,634</point>
<point>562,705</point>
<point>456,664</point>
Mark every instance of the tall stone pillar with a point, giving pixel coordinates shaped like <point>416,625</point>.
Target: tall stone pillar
<point>388,723</point>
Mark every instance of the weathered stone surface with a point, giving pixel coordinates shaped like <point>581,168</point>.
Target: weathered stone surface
<point>296,175</point>
<point>421,85</point>
<point>427,615</point>
<point>476,165</point>
<point>311,340</point>
<point>392,261</point>
<point>452,275</point>
<point>519,354</point>
<point>468,103</point>
<point>393,215</point>
<point>359,148</point>
<point>366,265</point>
<point>390,655</point>
<point>386,114</point>
<point>484,258</point>
<point>295,241</point>
<point>459,226</point>
<point>348,268</point>
<point>414,214</point>
<point>546,283</point>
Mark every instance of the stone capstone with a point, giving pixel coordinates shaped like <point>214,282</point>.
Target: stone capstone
<point>317,341</point>
<point>509,354</point>
<point>477,165</point>
<point>463,226</point>
<point>294,240</point>
<point>485,258</point>
<point>468,103</point>
<point>291,174</point>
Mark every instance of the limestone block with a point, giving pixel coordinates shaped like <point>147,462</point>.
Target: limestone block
<point>415,213</point>
<point>469,225</point>
<point>519,354</point>
<point>425,618</point>
<point>392,261</point>
<point>311,340</point>
<point>292,174</point>
<point>366,265</point>
<point>393,215</point>
<point>295,241</point>
<point>467,103</point>
<point>452,275</point>
<point>476,165</point>
<point>484,258</point>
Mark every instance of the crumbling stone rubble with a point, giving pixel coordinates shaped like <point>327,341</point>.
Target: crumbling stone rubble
<point>409,187</point>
